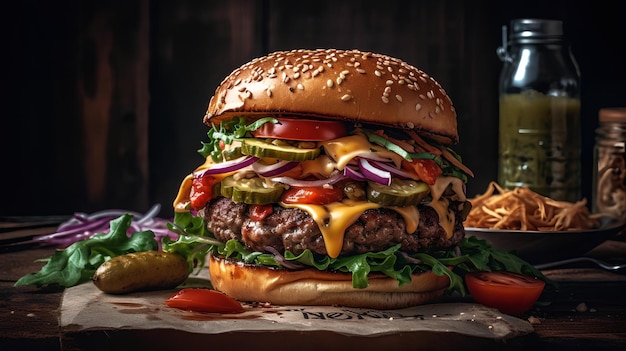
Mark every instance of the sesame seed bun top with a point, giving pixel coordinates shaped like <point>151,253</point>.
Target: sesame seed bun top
<point>335,84</point>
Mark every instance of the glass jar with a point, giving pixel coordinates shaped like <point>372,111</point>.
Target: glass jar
<point>609,155</point>
<point>539,118</point>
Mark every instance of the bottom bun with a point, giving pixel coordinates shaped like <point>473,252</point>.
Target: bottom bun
<point>251,283</point>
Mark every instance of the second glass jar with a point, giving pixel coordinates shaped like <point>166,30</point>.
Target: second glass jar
<point>539,121</point>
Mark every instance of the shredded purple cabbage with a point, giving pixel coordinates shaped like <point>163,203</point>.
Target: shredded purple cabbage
<point>83,226</point>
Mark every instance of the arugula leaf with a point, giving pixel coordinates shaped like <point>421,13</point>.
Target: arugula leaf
<point>78,262</point>
<point>473,255</point>
<point>227,132</point>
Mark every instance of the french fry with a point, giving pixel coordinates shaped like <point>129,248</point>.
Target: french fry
<point>524,209</point>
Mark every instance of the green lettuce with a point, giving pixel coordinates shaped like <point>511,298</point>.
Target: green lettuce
<point>78,262</point>
<point>473,254</point>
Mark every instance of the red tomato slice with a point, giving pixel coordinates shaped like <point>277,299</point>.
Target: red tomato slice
<point>508,292</point>
<point>427,170</point>
<point>301,129</point>
<point>204,300</point>
<point>312,195</point>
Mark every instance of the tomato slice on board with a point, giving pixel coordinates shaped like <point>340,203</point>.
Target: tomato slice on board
<point>301,129</point>
<point>204,300</point>
<point>312,195</point>
<point>509,292</point>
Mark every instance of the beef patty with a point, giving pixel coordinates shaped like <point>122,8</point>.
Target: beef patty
<point>295,230</point>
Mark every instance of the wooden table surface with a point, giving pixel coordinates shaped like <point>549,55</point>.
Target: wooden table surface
<point>586,312</point>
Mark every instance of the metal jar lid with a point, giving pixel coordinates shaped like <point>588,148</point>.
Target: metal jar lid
<point>612,115</point>
<point>530,30</point>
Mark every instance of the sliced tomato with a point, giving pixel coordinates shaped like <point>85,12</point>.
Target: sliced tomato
<point>201,191</point>
<point>301,129</point>
<point>312,195</point>
<point>204,300</point>
<point>509,292</point>
<point>427,170</point>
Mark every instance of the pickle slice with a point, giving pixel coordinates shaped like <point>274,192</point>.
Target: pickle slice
<point>232,154</point>
<point>401,192</point>
<point>262,148</point>
<point>226,186</point>
<point>253,191</point>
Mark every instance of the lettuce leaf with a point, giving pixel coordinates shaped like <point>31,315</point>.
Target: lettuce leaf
<point>78,262</point>
<point>473,254</point>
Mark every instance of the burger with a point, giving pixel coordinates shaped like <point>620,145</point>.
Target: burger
<point>329,179</point>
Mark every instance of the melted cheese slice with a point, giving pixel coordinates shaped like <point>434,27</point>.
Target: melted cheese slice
<point>411,216</point>
<point>446,217</point>
<point>344,149</point>
<point>333,219</point>
<point>441,205</point>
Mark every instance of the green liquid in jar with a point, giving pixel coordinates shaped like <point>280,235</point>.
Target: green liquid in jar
<point>540,144</point>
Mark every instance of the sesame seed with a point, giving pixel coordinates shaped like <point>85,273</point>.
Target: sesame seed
<point>389,82</point>
<point>360,70</point>
<point>330,83</point>
<point>422,97</point>
<point>430,94</point>
<point>339,80</point>
<point>315,73</point>
<point>437,110</point>
<point>269,92</point>
<point>385,99</point>
<point>410,125</point>
<point>377,73</point>
<point>346,97</point>
<point>296,75</point>
<point>399,98</point>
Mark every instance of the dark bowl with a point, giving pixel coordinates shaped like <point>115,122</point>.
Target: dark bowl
<point>547,246</point>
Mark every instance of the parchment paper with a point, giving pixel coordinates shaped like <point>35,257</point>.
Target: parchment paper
<point>85,307</point>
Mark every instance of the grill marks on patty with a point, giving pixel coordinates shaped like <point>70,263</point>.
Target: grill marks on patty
<point>293,229</point>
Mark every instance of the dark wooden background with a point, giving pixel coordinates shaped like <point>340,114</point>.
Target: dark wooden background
<point>102,102</point>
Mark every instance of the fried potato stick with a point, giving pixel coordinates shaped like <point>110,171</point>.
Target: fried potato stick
<point>523,209</point>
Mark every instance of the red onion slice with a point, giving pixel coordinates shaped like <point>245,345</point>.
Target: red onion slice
<point>227,166</point>
<point>354,174</point>
<point>273,169</point>
<point>393,170</point>
<point>374,174</point>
